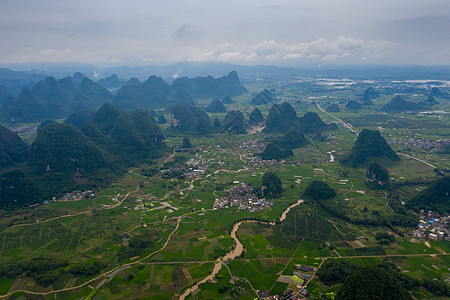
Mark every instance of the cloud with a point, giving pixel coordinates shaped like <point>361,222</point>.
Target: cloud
<point>341,48</point>
<point>185,34</point>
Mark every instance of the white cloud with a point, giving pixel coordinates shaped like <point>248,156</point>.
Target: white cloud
<point>341,48</point>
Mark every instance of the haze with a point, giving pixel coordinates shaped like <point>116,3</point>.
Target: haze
<point>285,33</point>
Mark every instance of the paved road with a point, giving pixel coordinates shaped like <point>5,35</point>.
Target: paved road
<point>343,123</point>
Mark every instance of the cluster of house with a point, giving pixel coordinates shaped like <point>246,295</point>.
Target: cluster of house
<point>432,226</point>
<point>257,161</point>
<point>76,195</point>
<point>243,197</point>
<point>25,130</point>
<point>424,144</point>
<point>296,283</point>
<point>253,145</point>
<point>196,167</point>
<point>191,149</point>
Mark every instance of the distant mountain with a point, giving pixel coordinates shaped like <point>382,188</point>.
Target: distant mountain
<point>399,104</point>
<point>227,100</point>
<point>53,94</point>
<point>369,94</point>
<point>79,118</point>
<point>369,147</point>
<point>51,98</point>
<point>183,97</point>
<point>161,120</point>
<point>4,94</point>
<point>105,118</point>
<point>435,197</point>
<point>13,150</point>
<point>234,122</point>
<point>93,94</point>
<point>133,82</point>
<point>311,122</point>
<point>111,82</point>
<point>14,81</point>
<point>191,120</point>
<point>45,123</point>
<point>435,91</point>
<point>353,105</point>
<point>24,108</point>
<point>151,94</point>
<point>429,102</point>
<point>263,98</point>
<point>283,116</point>
<point>333,108</point>
<point>216,123</point>
<point>215,106</point>
<point>210,87</point>
<point>256,117</point>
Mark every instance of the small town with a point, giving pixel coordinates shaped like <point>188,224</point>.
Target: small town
<point>253,145</point>
<point>243,197</point>
<point>432,226</point>
<point>425,144</point>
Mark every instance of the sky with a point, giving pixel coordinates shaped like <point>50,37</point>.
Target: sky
<point>248,32</point>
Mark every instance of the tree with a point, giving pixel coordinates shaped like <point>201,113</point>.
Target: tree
<point>372,283</point>
<point>319,190</point>
<point>377,176</point>
<point>271,185</point>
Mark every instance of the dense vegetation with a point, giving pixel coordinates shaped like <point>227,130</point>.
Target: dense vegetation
<point>282,116</point>
<point>215,106</point>
<point>256,117</point>
<point>318,191</point>
<point>79,118</point>
<point>333,108</point>
<point>372,283</point>
<point>234,122</point>
<point>13,150</point>
<point>370,146</point>
<point>435,197</point>
<point>377,176</point>
<point>271,185</point>
<point>263,98</point>
<point>353,106</point>
<point>63,158</point>
<point>209,87</point>
<point>274,151</point>
<point>190,120</point>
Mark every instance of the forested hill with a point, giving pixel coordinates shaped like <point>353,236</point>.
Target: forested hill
<point>369,147</point>
<point>63,158</point>
<point>56,98</point>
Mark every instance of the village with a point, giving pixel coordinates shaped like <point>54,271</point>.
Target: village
<point>296,283</point>
<point>243,197</point>
<point>432,226</point>
<point>425,144</point>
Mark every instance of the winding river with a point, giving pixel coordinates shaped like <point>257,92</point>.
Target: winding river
<point>236,251</point>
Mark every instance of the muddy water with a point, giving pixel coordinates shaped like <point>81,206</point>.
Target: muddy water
<point>285,212</point>
<point>236,251</point>
<point>217,267</point>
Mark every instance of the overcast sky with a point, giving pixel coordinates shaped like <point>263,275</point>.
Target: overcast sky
<point>282,32</point>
